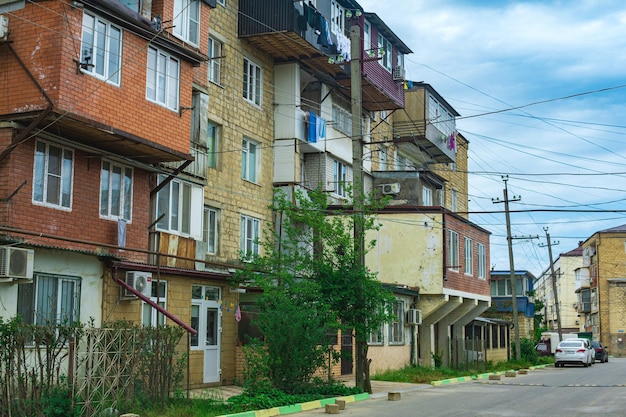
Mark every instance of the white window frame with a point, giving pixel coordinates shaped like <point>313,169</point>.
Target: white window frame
<point>454,200</point>
<point>213,138</point>
<point>342,120</point>
<point>482,261</point>
<point>116,191</point>
<point>101,49</point>
<point>385,45</point>
<point>211,229</point>
<point>206,294</point>
<point>340,178</point>
<point>222,2</point>
<point>250,233</point>
<point>382,152</point>
<point>337,17</point>
<point>396,326</point>
<point>250,157</point>
<point>468,258</point>
<point>163,79</point>
<point>182,203</point>
<point>61,290</point>
<point>252,82</point>
<point>150,316</point>
<point>46,175</point>
<point>367,35</point>
<point>187,21</point>
<point>377,337</point>
<point>215,60</point>
<point>427,196</point>
<point>453,250</point>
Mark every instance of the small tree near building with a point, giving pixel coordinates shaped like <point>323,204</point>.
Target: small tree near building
<point>312,285</point>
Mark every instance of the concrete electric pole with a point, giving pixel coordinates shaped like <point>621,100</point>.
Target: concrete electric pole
<point>518,353</point>
<point>554,286</point>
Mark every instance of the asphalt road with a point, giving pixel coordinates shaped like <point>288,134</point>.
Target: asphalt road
<point>599,390</point>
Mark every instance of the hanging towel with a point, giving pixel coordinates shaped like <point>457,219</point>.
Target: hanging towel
<point>312,131</point>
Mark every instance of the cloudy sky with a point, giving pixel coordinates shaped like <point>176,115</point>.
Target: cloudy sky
<point>541,89</point>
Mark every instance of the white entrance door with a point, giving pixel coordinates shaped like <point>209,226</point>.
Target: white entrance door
<point>206,318</point>
<point>212,316</point>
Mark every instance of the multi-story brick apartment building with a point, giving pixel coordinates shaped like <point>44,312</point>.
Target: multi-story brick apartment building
<point>106,161</point>
<point>602,295</point>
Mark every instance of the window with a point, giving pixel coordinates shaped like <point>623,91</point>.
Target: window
<point>179,208</point>
<point>501,287</point>
<point>342,120</point>
<point>482,261</point>
<point>187,20</point>
<point>116,191</point>
<point>383,158</point>
<point>222,2</point>
<point>213,133</point>
<point>134,5</point>
<point>52,183</point>
<point>249,244</point>
<point>163,78</point>
<point>249,160</point>
<point>427,196</point>
<point>210,233</point>
<point>215,60</point>
<point>49,300</point>
<point>468,248</point>
<point>367,35</point>
<point>337,13</point>
<point>339,178</point>
<point>150,317</point>
<point>453,250</point>
<point>251,82</point>
<point>377,336</point>
<point>454,197</point>
<point>101,49</point>
<point>205,316</point>
<point>396,327</point>
<point>384,48</point>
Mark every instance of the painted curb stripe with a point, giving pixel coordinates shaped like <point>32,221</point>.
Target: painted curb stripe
<point>296,408</point>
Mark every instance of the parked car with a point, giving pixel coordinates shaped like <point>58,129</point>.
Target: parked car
<point>574,351</point>
<point>601,353</point>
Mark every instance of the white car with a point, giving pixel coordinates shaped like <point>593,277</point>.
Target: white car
<point>574,351</point>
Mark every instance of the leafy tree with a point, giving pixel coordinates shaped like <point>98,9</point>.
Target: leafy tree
<point>313,284</point>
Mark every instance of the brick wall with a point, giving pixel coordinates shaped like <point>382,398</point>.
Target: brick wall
<point>459,280</point>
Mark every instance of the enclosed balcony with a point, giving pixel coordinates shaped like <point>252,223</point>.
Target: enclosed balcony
<point>427,127</point>
<point>318,39</point>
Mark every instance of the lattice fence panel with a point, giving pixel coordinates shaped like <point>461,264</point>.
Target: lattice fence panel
<point>104,369</point>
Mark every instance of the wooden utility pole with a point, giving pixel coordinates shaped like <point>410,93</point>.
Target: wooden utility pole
<point>518,353</point>
<point>554,286</point>
<point>358,191</point>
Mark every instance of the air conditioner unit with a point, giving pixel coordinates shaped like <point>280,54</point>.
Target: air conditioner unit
<point>399,73</point>
<point>16,263</point>
<point>414,316</point>
<point>140,281</point>
<point>393,188</point>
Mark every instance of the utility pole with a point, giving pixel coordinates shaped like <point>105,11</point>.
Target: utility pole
<point>553,278</point>
<point>361,365</point>
<point>518,353</point>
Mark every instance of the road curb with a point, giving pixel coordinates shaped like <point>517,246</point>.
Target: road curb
<point>296,408</point>
<point>476,377</point>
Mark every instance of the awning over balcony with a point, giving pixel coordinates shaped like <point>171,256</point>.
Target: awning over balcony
<point>78,129</point>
